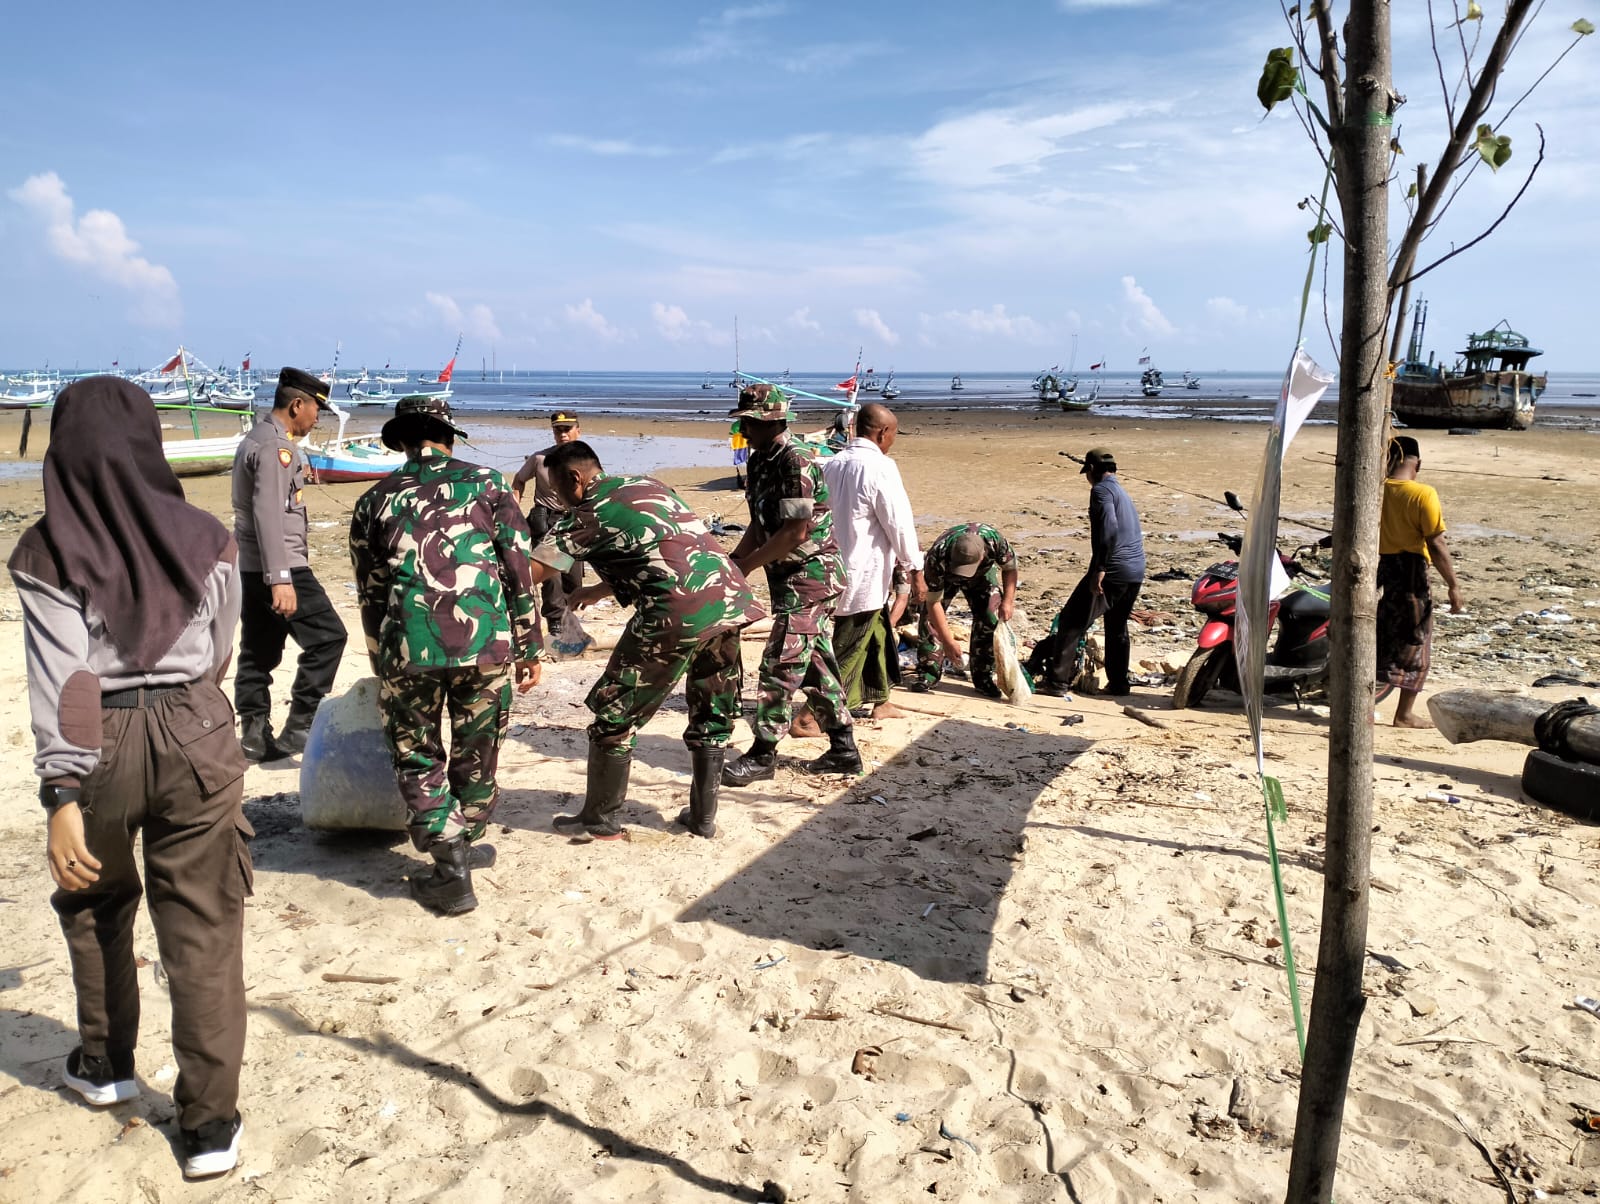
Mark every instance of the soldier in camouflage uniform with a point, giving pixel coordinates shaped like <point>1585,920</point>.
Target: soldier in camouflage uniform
<point>447,603</point>
<point>976,561</point>
<point>791,536</point>
<point>689,605</point>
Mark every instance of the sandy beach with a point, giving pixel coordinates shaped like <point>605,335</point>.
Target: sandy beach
<point>1024,958</point>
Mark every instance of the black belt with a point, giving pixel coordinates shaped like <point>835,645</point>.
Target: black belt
<point>139,696</point>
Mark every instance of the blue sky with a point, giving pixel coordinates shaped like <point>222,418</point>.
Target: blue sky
<point>954,186</point>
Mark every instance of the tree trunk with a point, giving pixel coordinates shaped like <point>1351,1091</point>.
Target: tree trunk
<point>1361,160</point>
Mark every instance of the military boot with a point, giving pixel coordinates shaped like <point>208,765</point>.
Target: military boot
<point>700,816</point>
<point>842,755</point>
<point>255,737</point>
<point>448,890</point>
<point>296,728</point>
<point>757,765</point>
<point>480,856</point>
<point>605,789</point>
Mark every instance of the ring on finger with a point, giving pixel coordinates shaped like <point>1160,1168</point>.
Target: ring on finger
<point>72,863</point>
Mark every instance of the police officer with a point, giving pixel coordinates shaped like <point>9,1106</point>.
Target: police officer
<point>282,598</point>
<point>689,605</point>
<point>547,508</point>
<point>447,605</point>
<point>791,536</point>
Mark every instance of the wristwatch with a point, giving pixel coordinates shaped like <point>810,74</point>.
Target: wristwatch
<point>55,797</point>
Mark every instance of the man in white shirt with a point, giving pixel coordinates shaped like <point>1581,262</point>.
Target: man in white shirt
<point>875,530</point>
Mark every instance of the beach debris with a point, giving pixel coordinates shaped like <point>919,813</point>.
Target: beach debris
<point>1592,1006</point>
<point>865,1062</point>
<point>1241,1104</point>
<point>1147,720</point>
<point>768,964</point>
<point>373,980</point>
<point>901,1118</point>
<point>1539,1059</point>
<point>944,1131</point>
<point>926,834</point>
<point>898,1015</point>
<point>1070,720</point>
<point>928,910</point>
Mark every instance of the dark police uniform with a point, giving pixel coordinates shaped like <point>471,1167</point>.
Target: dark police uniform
<point>269,523</point>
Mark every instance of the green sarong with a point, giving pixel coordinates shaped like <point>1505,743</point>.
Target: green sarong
<point>864,643</point>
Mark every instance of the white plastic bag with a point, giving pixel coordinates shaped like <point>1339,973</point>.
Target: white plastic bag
<point>1008,674</point>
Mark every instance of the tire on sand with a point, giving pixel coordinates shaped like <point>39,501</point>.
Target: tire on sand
<point>1561,785</point>
<point>1197,677</point>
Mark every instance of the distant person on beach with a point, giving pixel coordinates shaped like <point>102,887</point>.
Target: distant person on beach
<point>791,536</point>
<point>450,614</point>
<point>129,597</point>
<point>1410,537</point>
<point>876,531</point>
<point>282,597</point>
<point>977,562</point>
<point>689,605</point>
<point>1109,587</point>
<point>741,451</point>
<point>547,508</point>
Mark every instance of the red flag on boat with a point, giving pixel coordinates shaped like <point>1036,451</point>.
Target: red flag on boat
<point>845,386</point>
<point>1097,367</point>
<point>245,367</point>
<point>113,363</point>
<point>1144,359</point>
<point>172,364</point>
<point>444,377</point>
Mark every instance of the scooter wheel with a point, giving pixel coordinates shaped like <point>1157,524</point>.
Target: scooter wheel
<point>1561,785</point>
<point>1197,677</point>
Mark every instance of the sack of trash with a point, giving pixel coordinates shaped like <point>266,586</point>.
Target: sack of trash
<point>1009,674</point>
<point>572,640</point>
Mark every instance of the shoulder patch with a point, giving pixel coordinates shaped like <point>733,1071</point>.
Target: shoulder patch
<point>285,457</point>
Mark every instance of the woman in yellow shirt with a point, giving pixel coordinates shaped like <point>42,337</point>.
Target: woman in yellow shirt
<point>1410,537</point>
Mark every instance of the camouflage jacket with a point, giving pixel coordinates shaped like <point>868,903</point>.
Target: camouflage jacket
<point>997,557</point>
<point>441,557</point>
<point>785,482</point>
<point>656,555</point>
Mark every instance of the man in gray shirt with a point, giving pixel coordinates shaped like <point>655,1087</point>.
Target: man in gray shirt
<point>1109,587</point>
<point>546,510</point>
<point>282,597</point>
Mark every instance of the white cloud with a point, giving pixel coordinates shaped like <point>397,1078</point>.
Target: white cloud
<point>611,147</point>
<point>872,322</point>
<point>476,320</point>
<point>99,242</point>
<point>591,319</point>
<point>1142,312</point>
<point>992,321</point>
<point>719,36</point>
<point>1227,310</point>
<point>672,322</point>
<point>801,319</point>
<point>979,150</point>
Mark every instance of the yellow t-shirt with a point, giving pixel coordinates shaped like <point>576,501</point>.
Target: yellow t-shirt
<point>1411,517</point>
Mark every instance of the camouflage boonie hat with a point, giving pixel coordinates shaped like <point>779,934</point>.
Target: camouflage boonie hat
<point>409,411</point>
<point>762,403</point>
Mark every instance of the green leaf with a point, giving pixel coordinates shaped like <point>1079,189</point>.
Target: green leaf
<point>1394,145</point>
<point>1411,193</point>
<point>1277,806</point>
<point>1294,11</point>
<point>1278,77</point>
<point>1474,13</point>
<point>1582,28</point>
<point>1494,149</point>
<point>1318,234</point>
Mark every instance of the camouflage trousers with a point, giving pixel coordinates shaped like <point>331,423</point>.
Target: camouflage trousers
<point>446,797</point>
<point>799,656</point>
<point>983,594</point>
<point>641,674</point>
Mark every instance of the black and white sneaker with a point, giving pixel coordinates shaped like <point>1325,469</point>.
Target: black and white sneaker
<point>213,1148</point>
<point>98,1081</point>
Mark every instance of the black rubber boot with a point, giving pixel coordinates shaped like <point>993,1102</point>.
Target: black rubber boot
<point>480,856</point>
<point>255,737</point>
<point>757,765</point>
<point>448,890</point>
<point>700,816</point>
<point>605,789</point>
<point>292,739</point>
<point>842,755</point>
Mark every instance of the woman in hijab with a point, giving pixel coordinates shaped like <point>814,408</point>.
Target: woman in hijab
<point>129,598</point>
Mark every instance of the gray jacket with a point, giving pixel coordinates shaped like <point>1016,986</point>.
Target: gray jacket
<point>269,510</point>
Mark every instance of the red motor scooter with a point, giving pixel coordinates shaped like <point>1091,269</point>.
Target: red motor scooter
<point>1298,658</point>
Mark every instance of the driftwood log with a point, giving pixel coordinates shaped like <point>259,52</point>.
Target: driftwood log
<point>1463,716</point>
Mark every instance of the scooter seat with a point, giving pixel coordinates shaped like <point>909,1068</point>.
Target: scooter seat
<point>1305,604</point>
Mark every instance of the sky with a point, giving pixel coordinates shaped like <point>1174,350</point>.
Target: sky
<point>947,186</point>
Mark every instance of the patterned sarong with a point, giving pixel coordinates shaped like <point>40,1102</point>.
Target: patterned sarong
<point>1405,620</point>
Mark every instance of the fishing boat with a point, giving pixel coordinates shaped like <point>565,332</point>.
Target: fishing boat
<point>955,384</point>
<point>368,391</point>
<point>1151,382</point>
<point>349,457</point>
<point>1489,385</point>
<point>29,389</point>
<point>706,383</point>
<point>871,383</point>
<point>1049,386</point>
<point>1191,381</point>
<point>202,455</point>
<point>889,390</point>
<point>1073,403</point>
<point>444,377</point>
